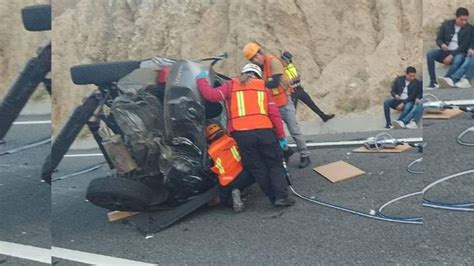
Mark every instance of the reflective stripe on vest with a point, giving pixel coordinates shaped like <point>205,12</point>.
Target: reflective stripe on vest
<point>261,102</point>
<point>219,166</point>
<point>240,103</point>
<point>249,106</point>
<point>227,162</point>
<point>235,153</point>
<point>280,96</point>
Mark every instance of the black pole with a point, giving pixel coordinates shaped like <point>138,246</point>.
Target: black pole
<point>94,127</point>
<point>71,129</point>
<point>23,87</point>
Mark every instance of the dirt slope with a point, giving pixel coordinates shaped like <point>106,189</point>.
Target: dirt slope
<point>16,44</point>
<point>347,53</point>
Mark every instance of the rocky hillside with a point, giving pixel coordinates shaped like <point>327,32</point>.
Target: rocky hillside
<point>16,44</point>
<point>347,51</point>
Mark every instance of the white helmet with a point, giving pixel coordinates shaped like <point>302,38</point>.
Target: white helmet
<point>252,68</point>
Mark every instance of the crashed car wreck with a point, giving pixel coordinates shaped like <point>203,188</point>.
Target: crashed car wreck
<point>148,119</point>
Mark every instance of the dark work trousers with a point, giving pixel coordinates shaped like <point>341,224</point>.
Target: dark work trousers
<point>241,182</point>
<point>263,159</point>
<point>300,94</point>
<point>438,55</point>
<point>392,103</point>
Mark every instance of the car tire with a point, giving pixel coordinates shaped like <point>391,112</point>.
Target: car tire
<point>119,194</point>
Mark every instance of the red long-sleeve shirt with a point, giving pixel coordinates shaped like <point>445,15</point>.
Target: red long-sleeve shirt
<point>224,92</point>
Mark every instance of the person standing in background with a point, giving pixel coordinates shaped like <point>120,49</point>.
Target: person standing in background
<point>299,93</point>
<point>276,81</point>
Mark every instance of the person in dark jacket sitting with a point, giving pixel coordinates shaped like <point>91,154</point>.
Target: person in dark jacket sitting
<point>406,90</point>
<point>465,72</point>
<point>453,40</point>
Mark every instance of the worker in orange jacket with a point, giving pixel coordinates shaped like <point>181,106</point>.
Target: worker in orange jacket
<point>254,121</point>
<point>277,82</point>
<point>227,165</point>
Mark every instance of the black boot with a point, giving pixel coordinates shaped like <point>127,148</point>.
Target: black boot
<point>285,202</point>
<point>304,162</point>
<point>326,117</point>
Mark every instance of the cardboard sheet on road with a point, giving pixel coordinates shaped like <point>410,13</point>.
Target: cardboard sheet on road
<point>398,149</point>
<point>338,171</point>
<point>446,114</point>
<point>118,215</point>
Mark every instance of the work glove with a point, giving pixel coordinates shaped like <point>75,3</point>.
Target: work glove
<point>283,143</point>
<point>201,74</point>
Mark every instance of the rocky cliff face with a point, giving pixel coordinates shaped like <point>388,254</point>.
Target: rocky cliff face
<point>16,44</point>
<point>348,52</point>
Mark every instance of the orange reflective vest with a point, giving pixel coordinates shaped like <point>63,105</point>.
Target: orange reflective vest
<point>249,105</point>
<point>280,96</point>
<point>226,157</point>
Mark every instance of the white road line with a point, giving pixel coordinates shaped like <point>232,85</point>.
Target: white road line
<point>350,143</point>
<point>44,255</point>
<point>90,258</point>
<point>460,102</point>
<point>32,122</point>
<point>83,155</point>
<point>25,252</point>
<point>309,144</point>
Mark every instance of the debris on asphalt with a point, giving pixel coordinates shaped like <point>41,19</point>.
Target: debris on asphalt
<point>275,216</point>
<point>338,171</point>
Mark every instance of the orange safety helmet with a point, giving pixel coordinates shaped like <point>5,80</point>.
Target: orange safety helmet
<point>213,130</point>
<point>250,50</point>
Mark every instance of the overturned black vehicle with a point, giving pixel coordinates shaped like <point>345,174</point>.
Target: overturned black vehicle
<point>149,119</point>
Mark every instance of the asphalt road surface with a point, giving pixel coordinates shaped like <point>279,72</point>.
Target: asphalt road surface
<point>305,233</point>
<point>25,200</point>
<point>451,232</point>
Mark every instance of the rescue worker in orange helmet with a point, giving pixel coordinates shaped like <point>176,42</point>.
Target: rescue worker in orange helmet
<point>227,165</point>
<point>254,121</point>
<point>277,82</point>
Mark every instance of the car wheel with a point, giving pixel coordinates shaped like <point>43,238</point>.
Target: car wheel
<point>102,73</point>
<point>119,194</point>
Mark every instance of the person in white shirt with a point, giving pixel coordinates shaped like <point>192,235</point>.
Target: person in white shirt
<point>460,78</point>
<point>406,91</point>
<point>453,41</point>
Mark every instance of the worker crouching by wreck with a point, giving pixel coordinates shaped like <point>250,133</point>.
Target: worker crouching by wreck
<point>255,123</point>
